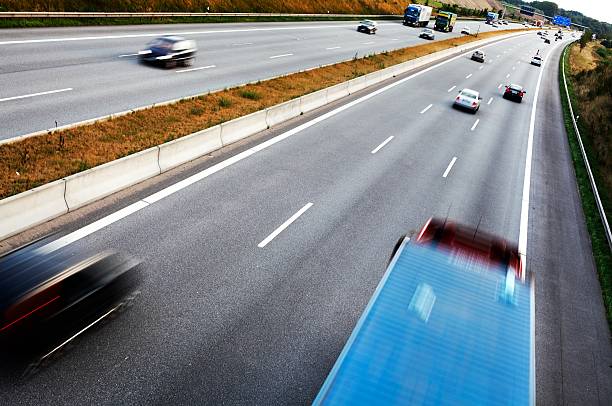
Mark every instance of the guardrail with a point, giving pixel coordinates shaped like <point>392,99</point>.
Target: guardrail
<point>600,208</point>
<point>65,195</point>
<point>71,14</point>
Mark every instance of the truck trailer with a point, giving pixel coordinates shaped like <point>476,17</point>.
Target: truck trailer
<point>417,15</point>
<point>445,21</point>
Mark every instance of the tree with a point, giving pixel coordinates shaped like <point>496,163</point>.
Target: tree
<point>586,37</point>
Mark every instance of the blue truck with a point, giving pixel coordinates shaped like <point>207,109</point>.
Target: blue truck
<point>450,323</point>
<point>491,17</point>
<point>417,15</point>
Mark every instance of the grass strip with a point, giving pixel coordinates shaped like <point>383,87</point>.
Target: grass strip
<point>599,243</point>
<point>35,161</point>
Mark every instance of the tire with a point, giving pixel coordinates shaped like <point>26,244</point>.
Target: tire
<point>187,62</point>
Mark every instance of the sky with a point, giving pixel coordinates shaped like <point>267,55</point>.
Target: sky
<point>598,9</point>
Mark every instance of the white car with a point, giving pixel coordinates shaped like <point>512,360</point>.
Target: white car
<point>465,30</point>
<point>536,60</point>
<point>468,99</point>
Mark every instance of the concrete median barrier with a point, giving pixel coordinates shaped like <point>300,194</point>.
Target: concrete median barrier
<point>27,209</point>
<point>283,112</point>
<point>337,92</point>
<point>101,181</point>
<point>242,127</point>
<point>357,84</point>
<point>188,148</point>
<point>313,101</point>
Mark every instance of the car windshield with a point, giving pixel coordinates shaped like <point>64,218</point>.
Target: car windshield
<point>412,11</point>
<point>469,94</point>
<point>367,22</point>
<point>161,43</point>
<point>516,87</point>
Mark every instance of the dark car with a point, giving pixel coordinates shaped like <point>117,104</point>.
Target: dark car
<point>546,41</point>
<point>169,51</point>
<point>42,288</point>
<point>367,26</point>
<point>478,56</point>
<point>514,92</point>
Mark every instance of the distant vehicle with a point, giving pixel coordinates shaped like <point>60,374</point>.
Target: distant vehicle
<point>40,288</point>
<point>367,26</point>
<point>514,92</point>
<point>169,51</point>
<point>478,56</point>
<point>494,25</point>
<point>504,22</point>
<point>468,99</point>
<point>540,33</point>
<point>546,41</point>
<point>450,323</point>
<point>465,30</point>
<point>491,17</point>
<point>417,15</point>
<point>427,34</point>
<point>445,21</point>
<point>536,60</point>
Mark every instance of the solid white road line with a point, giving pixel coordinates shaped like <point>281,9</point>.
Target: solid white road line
<point>475,124</point>
<point>194,69</point>
<point>155,197</point>
<point>490,101</point>
<point>330,48</point>
<point>284,225</point>
<point>468,76</point>
<point>426,108</point>
<point>25,96</point>
<point>524,225</point>
<point>280,56</point>
<point>385,142</point>
<point>449,167</point>
<point>242,43</point>
<point>451,89</point>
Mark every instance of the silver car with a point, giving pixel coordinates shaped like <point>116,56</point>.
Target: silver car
<point>427,34</point>
<point>468,99</point>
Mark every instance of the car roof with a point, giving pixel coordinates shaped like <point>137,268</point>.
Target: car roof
<point>171,38</point>
<point>515,86</point>
<point>369,22</point>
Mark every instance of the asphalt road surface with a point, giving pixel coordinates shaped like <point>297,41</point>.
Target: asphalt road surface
<point>74,74</point>
<point>229,315</point>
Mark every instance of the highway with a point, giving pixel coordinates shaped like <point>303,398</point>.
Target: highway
<point>257,268</point>
<point>74,74</point>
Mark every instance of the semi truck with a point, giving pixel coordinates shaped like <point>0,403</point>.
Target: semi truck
<point>450,323</point>
<point>417,15</point>
<point>445,21</point>
<point>491,17</point>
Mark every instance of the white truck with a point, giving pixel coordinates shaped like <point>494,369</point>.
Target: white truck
<point>417,15</point>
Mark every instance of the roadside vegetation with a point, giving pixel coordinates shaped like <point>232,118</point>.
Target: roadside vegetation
<point>588,68</point>
<point>38,160</point>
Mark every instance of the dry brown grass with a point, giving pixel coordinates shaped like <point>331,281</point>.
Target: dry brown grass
<point>584,60</point>
<point>39,160</point>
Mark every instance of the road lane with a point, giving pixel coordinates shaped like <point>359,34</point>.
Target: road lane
<point>220,320</point>
<point>103,70</point>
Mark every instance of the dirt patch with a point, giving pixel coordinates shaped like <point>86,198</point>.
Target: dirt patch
<point>584,60</point>
<point>38,160</point>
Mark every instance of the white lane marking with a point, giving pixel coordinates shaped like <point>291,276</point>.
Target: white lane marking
<point>284,225</point>
<point>498,56</point>
<point>25,96</point>
<point>330,48</point>
<point>451,89</point>
<point>126,55</point>
<point>280,56</point>
<point>155,197</point>
<point>514,68</point>
<point>468,76</point>
<point>507,76</point>
<point>449,167</point>
<point>242,43</point>
<point>481,68</point>
<point>426,108</point>
<point>385,142</point>
<point>194,69</point>
<point>500,85</point>
<point>490,60</point>
<point>523,229</point>
<point>367,43</point>
<point>475,124</point>
<point>182,33</point>
<point>490,101</point>
<point>394,39</point>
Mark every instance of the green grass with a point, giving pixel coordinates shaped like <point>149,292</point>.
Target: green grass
<point>250,94</point>
<point>601,249</point>
<point>73,22</point>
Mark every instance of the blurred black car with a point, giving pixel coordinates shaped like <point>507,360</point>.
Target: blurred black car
<point>514,92</point>
<point>41,288</point>
<point>367,26</point>
<point>169,51</point>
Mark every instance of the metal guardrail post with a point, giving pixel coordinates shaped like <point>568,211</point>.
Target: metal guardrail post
<point>600,207</point>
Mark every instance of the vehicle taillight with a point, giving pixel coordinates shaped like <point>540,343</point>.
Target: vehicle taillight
<point>474,104</point>
<point>521,94</point>
<point>458,98</point>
